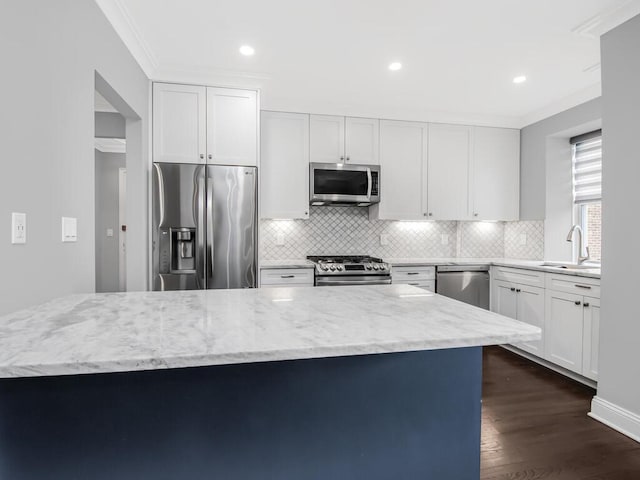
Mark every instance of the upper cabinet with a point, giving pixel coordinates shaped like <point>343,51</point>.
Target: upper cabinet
<point>194,124</point>
<point>335,139</point>
<point>402,159</point>
<point>495,175</point>
<point>362,140</point>
<point>449,157</point>
<point>232,126</point>
<point>284,165</point>
<point>179,123</point>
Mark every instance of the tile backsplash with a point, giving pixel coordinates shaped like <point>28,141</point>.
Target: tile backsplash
<point>348,230</point>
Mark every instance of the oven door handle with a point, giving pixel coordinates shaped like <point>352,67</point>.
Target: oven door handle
<point>321,282</point>
<point>369,181</point>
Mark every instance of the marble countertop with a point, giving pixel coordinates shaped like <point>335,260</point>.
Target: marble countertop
<point>100,333</point>
<point>287,263</point>
<point>505,262</point>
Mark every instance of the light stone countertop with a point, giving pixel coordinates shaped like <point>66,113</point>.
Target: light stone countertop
<point>100,333</point>
<point>504,262</point>
<point>287,263</point>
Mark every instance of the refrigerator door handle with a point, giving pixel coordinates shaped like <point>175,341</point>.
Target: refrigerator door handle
<point>209,221</point>
<point>198,210</point>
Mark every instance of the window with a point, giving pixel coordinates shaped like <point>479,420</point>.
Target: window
<point>587,190</point>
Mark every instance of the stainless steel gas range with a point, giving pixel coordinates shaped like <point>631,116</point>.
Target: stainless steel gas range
<point>350,270</point>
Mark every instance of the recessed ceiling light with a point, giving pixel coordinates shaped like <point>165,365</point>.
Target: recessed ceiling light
<point>247,50</point>
<point>519,79</point>
<point>395,66</point>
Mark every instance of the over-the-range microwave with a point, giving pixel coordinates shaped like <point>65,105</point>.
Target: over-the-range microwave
<point>344,184</point>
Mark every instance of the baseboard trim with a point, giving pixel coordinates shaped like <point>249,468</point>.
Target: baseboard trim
<point>616,417</point>
<point>552,366</point>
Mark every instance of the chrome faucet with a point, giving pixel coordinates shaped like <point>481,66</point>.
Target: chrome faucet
<point>581,247</point>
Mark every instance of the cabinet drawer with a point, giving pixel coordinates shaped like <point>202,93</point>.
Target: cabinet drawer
<point>589,287</point>
<point>412,274</point>
<point>518,275</point>
<point>425,284</point>
<point>287,277</point>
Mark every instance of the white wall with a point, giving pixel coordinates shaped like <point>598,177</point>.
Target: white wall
<point>618,400</point>
<point>534,154</point>
<point>50,52</point>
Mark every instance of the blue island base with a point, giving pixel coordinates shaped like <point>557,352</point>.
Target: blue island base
<point>413,415</point>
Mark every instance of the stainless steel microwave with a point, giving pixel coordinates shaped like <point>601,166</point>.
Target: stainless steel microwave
<point>344,184</point>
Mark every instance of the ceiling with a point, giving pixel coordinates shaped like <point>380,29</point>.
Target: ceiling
<point>331,56</point>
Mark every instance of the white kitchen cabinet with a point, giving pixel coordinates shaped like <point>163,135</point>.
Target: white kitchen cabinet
<point>335,139</point>
<point>286,277</point>
<point>524,303</point>
<point>327,139</point>
<point>402,159</point>
<point>449,156</point>
<point>284,165</point>
<point>232,127</point>
<point>362,142</point>
<point>179,123</point>
<point>591,338</point>
<point>495,174</point>
<point>564,330</point>
<point>422,276</point>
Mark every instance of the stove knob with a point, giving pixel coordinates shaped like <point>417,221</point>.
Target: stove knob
<point>383,267</point>
<point>340,268</point>
<point>375,267</point>
<point>332,268</point>
<point>369,267</point>
<point>324,268</point>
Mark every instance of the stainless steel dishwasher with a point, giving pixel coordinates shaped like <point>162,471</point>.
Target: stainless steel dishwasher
<point>467,283</point>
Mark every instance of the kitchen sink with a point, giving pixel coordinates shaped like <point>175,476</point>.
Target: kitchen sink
<point>570,266</point>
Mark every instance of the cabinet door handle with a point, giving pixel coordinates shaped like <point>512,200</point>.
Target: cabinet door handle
<point>512,289</point>
<point>587,287</point>
<point>287,276</point>
<point>578,302</point>
<point>413,273</point>
<point>586,304</point>
<point>210,156</point>
<point>475,214</point>
<point>415,284</point>
<point>518,290</point>
<point>347,159</point>
<point>430,214</point>
<point>201,155</point>
<point>342,159</point>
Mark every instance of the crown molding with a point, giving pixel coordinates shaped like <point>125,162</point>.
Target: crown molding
<point>608,19</point>
<point>211,76</point>
<point>573,100</point>
<point>124,25</point>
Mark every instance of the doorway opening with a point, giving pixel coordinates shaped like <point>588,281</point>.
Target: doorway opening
<point>110,197</point>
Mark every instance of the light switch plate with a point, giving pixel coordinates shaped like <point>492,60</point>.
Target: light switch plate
<point>444,239</point>
<point>18,228</point>
<point>109,232</point>
<point>523,239</point>
<point>69,229</point>
<point>280,239</point>
<point>384,239</point>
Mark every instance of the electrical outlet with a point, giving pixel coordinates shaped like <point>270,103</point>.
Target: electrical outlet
<point>109,232</point>
<point>523,239</point>
<point>18,228</point>
<point>444,239</point>
<point>384,239</point>
<point>280,239</point>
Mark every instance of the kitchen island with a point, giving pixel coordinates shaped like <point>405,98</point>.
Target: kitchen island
<point>314,383</point>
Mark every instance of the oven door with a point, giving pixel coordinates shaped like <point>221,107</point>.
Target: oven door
<point>334,281</point>
<point>341,183</point>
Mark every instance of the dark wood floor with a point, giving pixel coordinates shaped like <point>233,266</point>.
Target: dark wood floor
<point>535,426</point>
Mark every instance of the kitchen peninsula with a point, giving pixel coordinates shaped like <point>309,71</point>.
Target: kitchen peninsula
<point>360,382</point>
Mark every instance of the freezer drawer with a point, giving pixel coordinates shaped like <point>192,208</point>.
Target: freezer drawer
<point>469,287</point>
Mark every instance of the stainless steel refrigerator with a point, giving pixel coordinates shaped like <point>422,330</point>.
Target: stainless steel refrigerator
<point>204,226</point>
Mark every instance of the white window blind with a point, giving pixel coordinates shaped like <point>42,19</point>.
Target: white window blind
<point>587,167</point>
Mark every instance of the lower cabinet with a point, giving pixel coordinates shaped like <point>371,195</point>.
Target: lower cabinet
<point>572,332</point>
<point>286,277</point>
<point>524,303</point>
<point>419,276</point>
<point>565,307</point>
